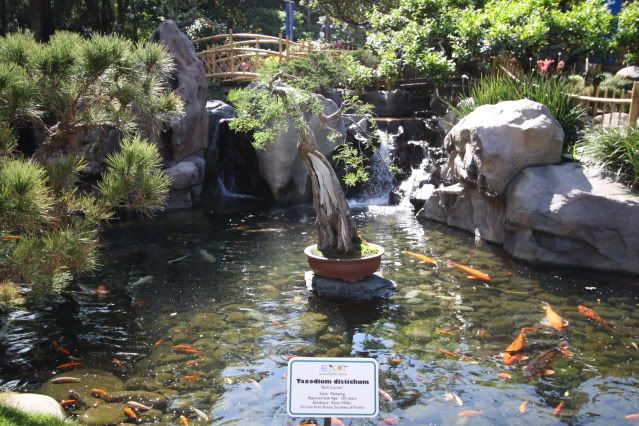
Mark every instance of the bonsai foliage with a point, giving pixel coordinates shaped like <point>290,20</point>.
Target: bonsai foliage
<point>71,84</point>
<point>270,108</point>
<point>49,227</point>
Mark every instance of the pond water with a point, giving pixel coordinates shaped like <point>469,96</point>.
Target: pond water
<point>229,282</point>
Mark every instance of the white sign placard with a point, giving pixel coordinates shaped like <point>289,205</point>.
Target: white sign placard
<point>323,387</point>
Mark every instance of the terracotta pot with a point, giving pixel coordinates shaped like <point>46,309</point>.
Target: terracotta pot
<point>349,270</point>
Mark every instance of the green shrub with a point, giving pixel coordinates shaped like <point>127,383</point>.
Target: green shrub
<point>615,150</point>
<point>616,83</point>
<point>627,35</point>
<point>553,92</point>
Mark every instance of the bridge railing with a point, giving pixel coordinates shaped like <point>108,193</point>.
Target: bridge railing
<point>236,57</point>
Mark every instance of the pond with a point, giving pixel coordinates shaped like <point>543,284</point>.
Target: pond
<point>226,285</point>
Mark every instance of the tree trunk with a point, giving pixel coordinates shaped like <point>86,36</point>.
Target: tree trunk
<point>41,19</point>
<point>335,229</point>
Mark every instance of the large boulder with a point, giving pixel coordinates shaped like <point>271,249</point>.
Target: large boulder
<point>630,73</point>
<point>188,135</point>
<point>280,165</point>
<point>396,103</point>
<point>570,216</point>
<point>187,180</point>
<point>463,207</point>
<point>32,403</point>
<point>493,143</point>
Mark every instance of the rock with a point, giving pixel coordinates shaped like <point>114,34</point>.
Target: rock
<point>151,399</point>
<point>465,208</point>
<point>89,378</point>
<point>493,143</point>
<point>32,403</point>
<point>631,73</point>
<point>187,178</point>
<point>95,145</point>
<point>103,415</point>
<point>396,103</point>
<point>419,329</point>
<point>611,120</point>
<point>570,216</point>
<point>280,165</point>
<point>188,135</point>
<point>373,287</point>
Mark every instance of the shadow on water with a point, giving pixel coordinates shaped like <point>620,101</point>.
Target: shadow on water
<point>227,281</point>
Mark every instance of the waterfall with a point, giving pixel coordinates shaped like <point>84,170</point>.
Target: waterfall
<point>376,191</point>
<point>225,193</point>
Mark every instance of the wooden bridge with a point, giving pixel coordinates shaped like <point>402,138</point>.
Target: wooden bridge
<point>236,57</point>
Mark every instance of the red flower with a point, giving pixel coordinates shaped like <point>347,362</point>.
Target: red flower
<point>543,65</point>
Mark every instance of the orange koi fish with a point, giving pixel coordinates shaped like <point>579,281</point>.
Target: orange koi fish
<point>470,272</point>
<point>447,353</point>
<point>98,392</point>
<point>517,344</point>
<point>68,365</point>
<point>336,422</point>
<point>130,413</point>
<point>504,376</point>
<point>67,402</point>
<point>512,359</point>
<point>558,409</point>
<point>158,342</point>
<point>450,333</point>
<point>184,421</point>
<point>420,257</point>
<point>11,237</point>
<point>65,380</point>
<point>389,420</point>
<point>385,395</point>
<point>540,365</point>
<point>138,406</point>
<point>523,329</point>
<point>101,290</point>
<point>522,407</point>
<point>181,347</point>
<point>565,351</point>
<point>60,348</point>
<point>192,377</point>
<point>590,314</point>
<point>632,416</point>
<point>482,332</point>
<point>118,364</point>
<point>394,361</point>
<point>553,319</point>
<point>467,413</point>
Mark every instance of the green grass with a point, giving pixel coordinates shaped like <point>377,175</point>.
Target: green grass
<point>362,249</point>
<point>615,150</point>
<point>553,92</point>
<point>11,417</point>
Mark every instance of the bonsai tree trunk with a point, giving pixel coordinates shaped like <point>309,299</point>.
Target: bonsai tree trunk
<point>335,229</point>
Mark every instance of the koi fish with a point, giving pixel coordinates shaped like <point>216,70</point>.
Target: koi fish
<point>67,402</point>
<point>130,413</point>
<point>192,377</point>
<point>482,332</point>
<point>101,290</point>
<point>394,361</point>
<point>336,422</point>
<point>517,344</point>
<point>541,363</point>
<point>632,416</point>
<point>470,272</point>
<point>98,392</point>
<point>60,348</point>
<point>590,314</point>
<point>158,342</point>
<point>563,348</point>
<point>558,409</point>
<point>553,319</point>
<point>118,364</point>
<point>184,421</point>
<point>449,396</point>
<point>421,257</point>
<point>385,395</point>
<point>11,237</point>
<point>255,383</point>
<point>181,347</point>
<point>192,362</point>
<point>510,359</point>
<point>138,406</point>
<point>419,379</point>
<point>389,420</point>
<point>467,413</point>
<point>504,376</point>
<point>65,380</point>
<point>523,329</point>
<point>450,333</point>
<point>200,414</point>
<point>138,303</point>
<point>522,407</point>
<point>445,352</point>
<point>68,365</point>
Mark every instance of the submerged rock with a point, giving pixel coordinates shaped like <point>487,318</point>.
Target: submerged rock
<point>151,399</point>
<point>419,329</point>
<point>103,415</point>
<point>373,287</point>
<point>89,379</point>
<point>570,216</point>
<point>32,403</point>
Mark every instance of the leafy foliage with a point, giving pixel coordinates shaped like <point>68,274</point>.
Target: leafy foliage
<point>613,149</point>
<point>553,92</point>
<point>627,35</point>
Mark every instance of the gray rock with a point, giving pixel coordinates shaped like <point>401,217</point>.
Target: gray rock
<point>611,120</point>
<point>631,73</point>
<point>395,103</point>
<point>467,209</point>
<point>493,143</point>
<point>189,134</point>
<point>187,178</point>
<point>280,165</point>
<point>373,287</point>
<point>570,216</point>
<point>32,403</point>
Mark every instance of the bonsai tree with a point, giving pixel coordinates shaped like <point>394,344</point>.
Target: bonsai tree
<point>265,110</point>
<point>49,228</point>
